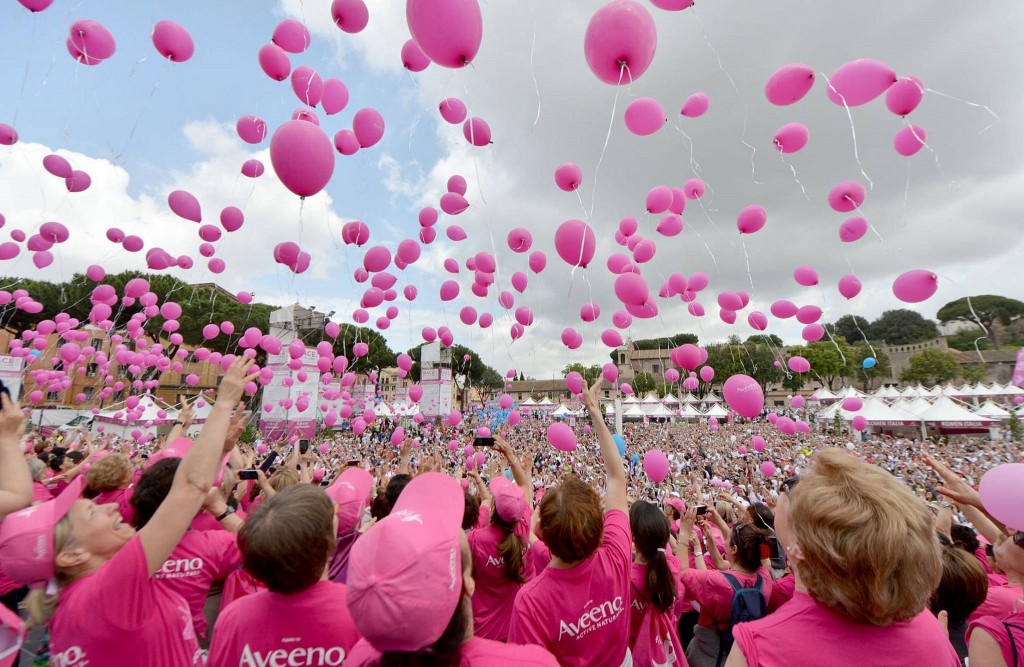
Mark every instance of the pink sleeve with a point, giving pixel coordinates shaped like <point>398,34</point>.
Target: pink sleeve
<point>521,629</point>
<point>484,517</point>
<point>224,553</point>
<point>745,643</point>
<point>127,574</point>
<point>782,592</point>
<point>995,627</point>
<point>617,536</point>
<point>538,557</point>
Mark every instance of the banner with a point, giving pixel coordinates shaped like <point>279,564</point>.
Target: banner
<point>286,422</point>
<point>437,391</point>
<point>1018,370</point>
<point>10,374</point>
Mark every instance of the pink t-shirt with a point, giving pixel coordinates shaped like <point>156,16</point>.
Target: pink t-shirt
<point>495,592</point>
<point>200,559</point>
<point>581,614</point>
<point>803,632</point>
<point>206,521</point>
<point>714,594</point>
<point>642,616</point>
<point>1000,602</point>
<point>1007,638</point>
<point>119,616</point>
<point>40,494</point>
<point>477,652</point>
<point>123,498</point>
<point>312,627</point>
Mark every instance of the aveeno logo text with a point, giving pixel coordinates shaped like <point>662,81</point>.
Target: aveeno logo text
<point>176,569</point>
<point>594,618</point>
<point>72,657</point>
<point>300,656</point>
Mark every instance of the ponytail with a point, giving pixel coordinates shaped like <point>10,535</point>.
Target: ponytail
<point>41,607</point>
<point>661,585</point>
<point>749,540</point>
<point>512,549</point>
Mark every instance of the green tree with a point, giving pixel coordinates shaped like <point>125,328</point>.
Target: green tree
<point>902,327</point>
<point>589,373</point>
<point>759,363</point>
<point>380,355</point>
<point>829,361</point>
<point>643,383</point>
<point>932,366</point>
<point>850,328</point>
<point>726,359</point>
<point>987,308</point>
<point>1016,432</point>
<point>965,339</point>
<point>881,370</point>
<point>760,339</point>
<point>465,374</point>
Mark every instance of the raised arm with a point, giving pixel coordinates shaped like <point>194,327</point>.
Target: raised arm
<point>615,497</point>
<point>15,480</point>
<point>183,423</point>
<point>197,472</point>
<point>524,479</point>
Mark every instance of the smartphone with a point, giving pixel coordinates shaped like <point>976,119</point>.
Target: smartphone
<point>774,552</point>
<point>268,462</point>
<point>248,474</point>
<point>353,463</point>
<point>702,509</point>
<point>483,442</point>
<point>4,389</point>
<point>303,446</point>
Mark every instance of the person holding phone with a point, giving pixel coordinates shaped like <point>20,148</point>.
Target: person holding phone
<point>95,573</point>
<point>15,494</point>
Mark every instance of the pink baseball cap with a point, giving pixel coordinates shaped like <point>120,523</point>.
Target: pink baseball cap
<point>351,492</point>
<point>509,501</point>
<point>405,573</point>
<point>678,504</point>
<point>26,537</point>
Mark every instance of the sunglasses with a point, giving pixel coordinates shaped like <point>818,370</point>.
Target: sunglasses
<point>1018,538</point>
<point>789,483</point>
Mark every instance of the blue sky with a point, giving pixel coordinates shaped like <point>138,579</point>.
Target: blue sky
<point>143,126</point>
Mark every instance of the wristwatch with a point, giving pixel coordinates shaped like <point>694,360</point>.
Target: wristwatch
<point>228,512</point>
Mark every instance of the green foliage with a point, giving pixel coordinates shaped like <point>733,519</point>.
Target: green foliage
<point>829,360</point>
<point>754,359</point>
<point>881,369</point>
<point>589,373</point>
<point>250,434</point>
<point>964,340</point>
<point>473,373</point>
<point>759,339</point>
<point>847,327</point>
<point>902,327</point>
<point>932,366</point>
<point>1016,431</point>
<point>643,383</point>
<point>987,308</point>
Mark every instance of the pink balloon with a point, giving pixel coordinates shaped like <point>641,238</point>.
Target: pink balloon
<point>468,315</point>
<point>645,116</point>
<point>368,126</point>
<point>744,395</point>
<point>209,233</point>
<point>1002,493</point>
<point>346,143</point>
<point>350,15</point>
<point>453,203</point>
<point>54,232</point>
<point>253,168</point>
<point>413,59</point>
<point>813,332</point>
<point>302,157</point>
<point>449,290</point>
<point>95,273</point>
<point>751,219</point>
<point>622,319</point>
<point>915,286</point>
<point>631,288</point>
<point>574,382</point>
<point>849,286</point>
<point>853,229</point>
<point>335,96</point>
<point>519,281</point>
<point>307,85</point>
<point>172,41</point>
<point>798,364</point>
<point>457,184</point>
<point>910,140</point>
<point>447,31</point>
<point>408,251</point>
<point>57,166</point>
<point>274,62</point>
<point>292,36</point>
<point>452,110</point>
<point>589,312</point>
<point>670,225</point>
<point>846,196</point>
<point>78,182</point>
<point>575,243</point>
<point>659,198</point>
<point>538,260</point>
<point>707,373</point>
<point>688,356</point>
<point>860,422</point>
<point>805,275</point>
<point>808,314</point>
<point>36,5</point>
<point>791,137</point>
<point>568,176</point>
<point>757,320</point>
<point>767,468</point>
<point>42,259</point>
<point>904,95</point>
<point>251,129</point>
<point>789,84</point>
<point>132,243</point>
<point>694,188</point>
<point>454,233</point>
<point>852,404</point>
<point>696,105</point>
<point>611,338</point>
<point>561,437</point>
<point>92,40</point>
<point>477,131</point>
<point>355,233</point>
<point>860,81</point>
<point>644,250</point>
<point>620,42</point>
<point>519,240</point>
<point>656,466</point>
<point>8,135</point>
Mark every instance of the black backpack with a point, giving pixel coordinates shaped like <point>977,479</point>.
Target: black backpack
<point>748,604</point>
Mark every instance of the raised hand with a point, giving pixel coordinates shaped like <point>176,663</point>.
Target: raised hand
<point>232,385</point>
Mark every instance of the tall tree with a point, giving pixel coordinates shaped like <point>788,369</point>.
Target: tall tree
<point>903,327</point>
<point>983,309</point>
<point>589,373</point>
<point>850,328</point>
<point>881,370</point>
<point>829,361</point>
<point>965,340</point>
<point>932,366</point>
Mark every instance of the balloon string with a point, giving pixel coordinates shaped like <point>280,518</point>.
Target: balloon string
<point>611,122</point>
<point>782,157</point>
<point>24,77</point>
<point>970,104</point>
<point>853,131</point>
<point>135,125</point>
<point>732,82</point>
<point>983,328</point>
<point>938,165</point>
<point>906,198</point>
<point>753,290</point>
<point>708,248</point>
<point>695,166</point>
<point>871,225</point>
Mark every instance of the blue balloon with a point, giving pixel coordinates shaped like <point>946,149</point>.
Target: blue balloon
<point>620,444</point>
<point>869,362</point>
<point>636,458</point>
<point>508,473</point>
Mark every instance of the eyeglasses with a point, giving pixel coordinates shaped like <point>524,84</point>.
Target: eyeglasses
<point>1018,538</point>
<point>789,483</point>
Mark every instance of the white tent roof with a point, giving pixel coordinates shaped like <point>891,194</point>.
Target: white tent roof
<point>561,411</point>
<point>609,409</point>
<point>690,398</point>
<point>980,390</point>
<point>887,391</point>
<point>660,411</point>
<point>910,392</point>
<point>545,401</point>
<point>382,410</point>
<point>823,394</point>
<point>1012,390</point>
<point>711,397</point>
<point>148,409</point>
<point>651,397</point>
<point>934,391</point>
<point>405,409</point>
<point>990,409</point>
<point>528,401</point>
<point>945,409</point>
<point>688,412</point>
<point>716,410</point>
<point>850,392</point>
<point>670,399</point>
<point>634,412</point>
<point>876,411</point>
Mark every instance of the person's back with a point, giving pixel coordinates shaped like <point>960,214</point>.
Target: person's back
<point>803,632</point>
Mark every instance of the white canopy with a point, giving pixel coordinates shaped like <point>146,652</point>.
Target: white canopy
<point>146,417</point>
<point>634,412</point>
<point>670,400</point>
<point>823,394</point>
<point>630,400</point>
<point>688,412</point>
<point>918,406</point>
<point>947,412</point>
<point>711,397</point>
<point>660,411</point>
<point>690,398</point>
<point>545,402</point>
<point>528,402</point>
<point>876,411</point>
<point>887,391</point>
<point>561,411</point>
<point>990,409</point>
<point>716,411</point>
<point>382,410</point>
<point>651,397</point>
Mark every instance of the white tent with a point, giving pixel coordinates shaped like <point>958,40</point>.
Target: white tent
<point>850,392</point>
<point>947,413</point>
<point>934,391</point>
<point>405,409</point>
<point>716,411</point>
<point>876,411</point>
<point>712,398</point>
<point>660,412</point>
<point>382,410</point>
<point>688,412</point>
<point>910,392</point>
<point>630,400</point>
<point>887,391</point>
<point>147,417</point>
<point>561,411</point>
<point>545,403</point>
<point>528,403</point>
<point>670,400</point>
<point>1012,390</point>
<point>823,394</point>
<point>634,412</point>
<point>918,406</point>
<point>980,390</point>
<point>690,398</point>
<point>651,397</point>
<point>990,409</point>
<point>609,409</point>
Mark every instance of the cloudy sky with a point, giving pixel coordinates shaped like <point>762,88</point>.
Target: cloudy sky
<point>142,126</point>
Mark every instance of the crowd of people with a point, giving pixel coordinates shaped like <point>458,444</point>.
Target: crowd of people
<point>481,544</point>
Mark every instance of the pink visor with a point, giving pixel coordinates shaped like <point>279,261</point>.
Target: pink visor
<point>26,537</point>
